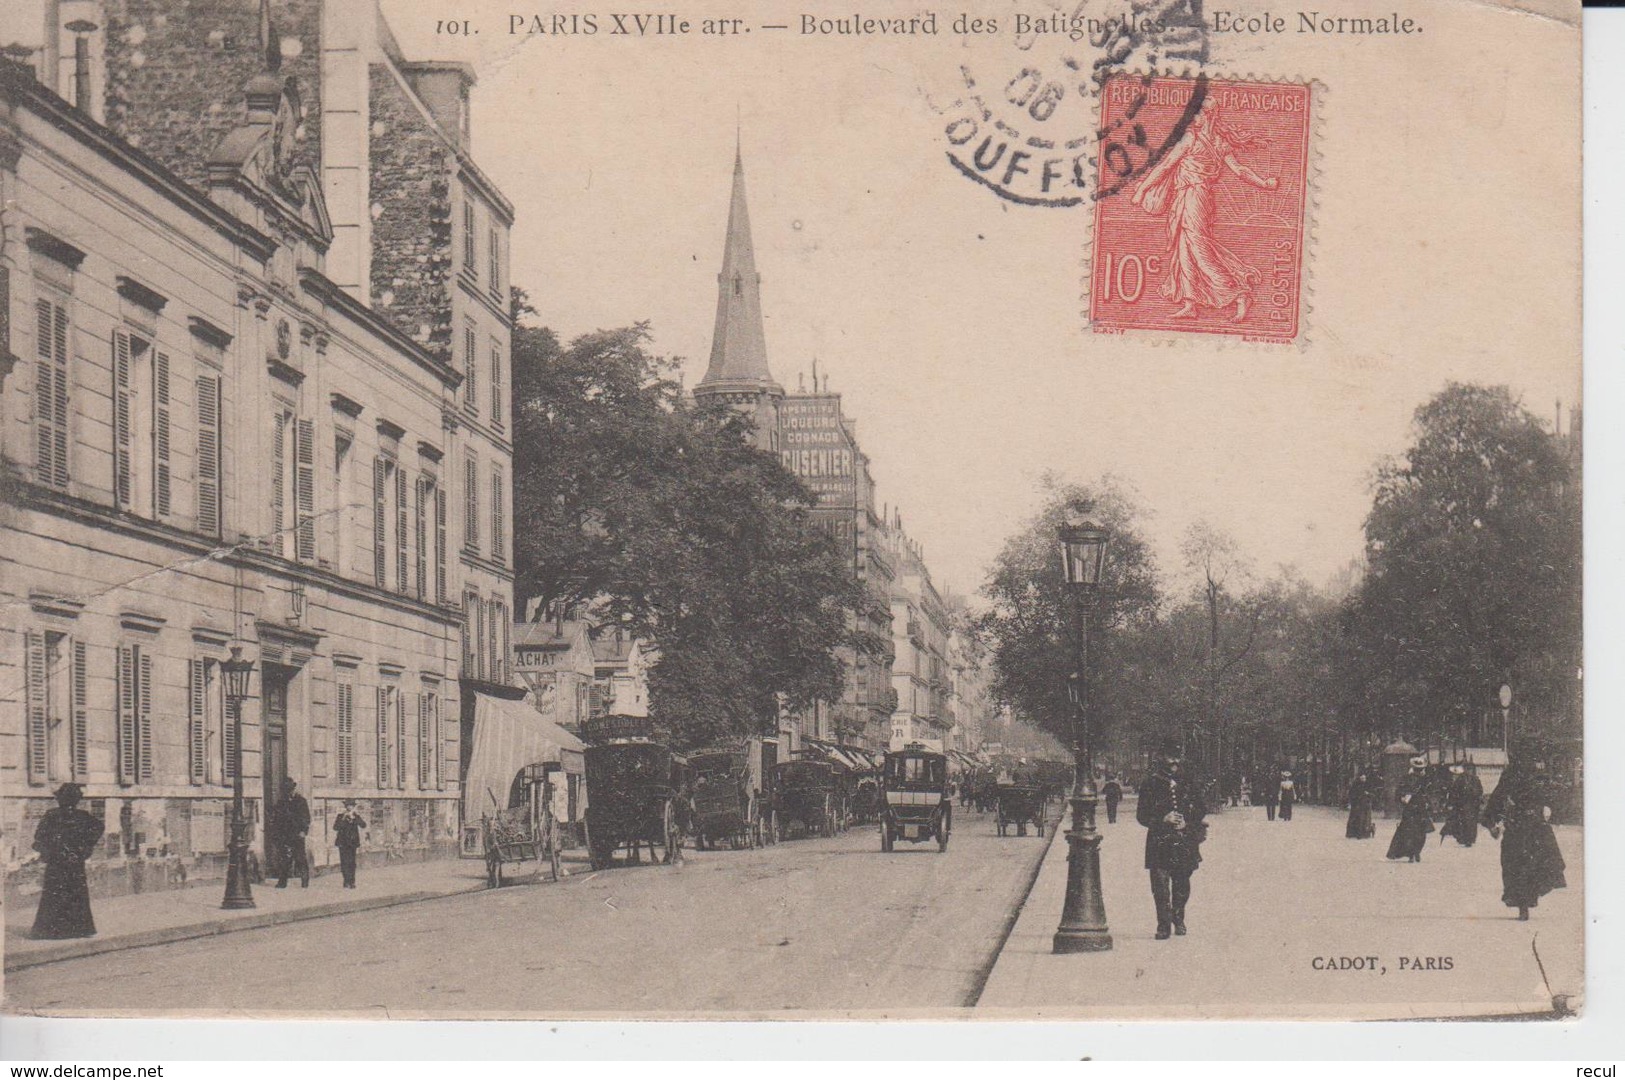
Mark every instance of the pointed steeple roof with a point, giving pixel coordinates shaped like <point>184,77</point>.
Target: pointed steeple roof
<point>738,343</point>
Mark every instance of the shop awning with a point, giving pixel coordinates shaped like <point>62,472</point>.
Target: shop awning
<point>509,735</point>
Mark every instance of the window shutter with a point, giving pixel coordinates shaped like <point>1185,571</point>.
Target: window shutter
<point>491,642</point>
<point>38,708</point>
<point>383,736</point>
<point>403,569</point>
<point>468,237</point>
<point>197,727</point>
<point>279,478</point>
<point>346,734</point>
<point>144,718</point>
<point>160,435</point>
<point>494,258</point>
<point>449,758</point>
<point>471,370</point>
<point>51,393</point>
<point>228,739</point>
<point>304,489</point>
<point>380,479</point>
<point>420,535</point>
<point>471,504</point>
<point>440,593</point>
<point>499,527</point>
<point>507,648</point>
<point>496,386</point>
<point>425,742</point>
<point>400,738</point>
<point>436,730</point>
<point>81,714</point>
<point>208,455</point>
<point>122,435</point>
<point>127,727</point>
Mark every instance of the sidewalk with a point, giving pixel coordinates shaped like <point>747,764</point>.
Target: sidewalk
<point>1271,904</point>
<point>156,918</point>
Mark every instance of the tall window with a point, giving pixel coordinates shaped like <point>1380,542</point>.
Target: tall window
<point>142,479</point>
<point>471,367</point>
<point>390,510</point>
<point>499,525</point>
<point>134,700</point>
<point>403,570</point>
<point>209,467</point>
<point>441,596</point>
<point>205,698</point>
<point>51,388</point>
<point>344,692</point>
<point>471,504</point>
<point>343,443</point>
<point>469,261</point>
<point>387,702</point>
<point>57,747</point>
<point>293,484</point>
<point>428,733</point>
<point>471,608</point>
<point>493,254</point>
<point>422,509</point>
<point>497,420</point>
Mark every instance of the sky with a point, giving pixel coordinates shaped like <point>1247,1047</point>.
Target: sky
<point>951,319</point>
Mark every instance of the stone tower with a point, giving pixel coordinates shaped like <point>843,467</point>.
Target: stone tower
<point>738,372</point>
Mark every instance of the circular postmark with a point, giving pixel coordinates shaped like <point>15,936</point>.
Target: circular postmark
<point>1027,129</point>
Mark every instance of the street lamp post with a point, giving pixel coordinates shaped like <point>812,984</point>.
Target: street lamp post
<point>1083,918</point>
<point>238,893</point>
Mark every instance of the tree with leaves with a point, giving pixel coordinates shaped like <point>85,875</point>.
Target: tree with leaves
<point>1473,580</point>
<point>636,506</point>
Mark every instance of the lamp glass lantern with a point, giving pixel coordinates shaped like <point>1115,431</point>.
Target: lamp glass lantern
<point>1083,552</point>
<point>236,672</point>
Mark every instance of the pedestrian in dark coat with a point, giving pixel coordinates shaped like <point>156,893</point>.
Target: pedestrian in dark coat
<point>1362,795</point>
<point>347,830</point>
<point>1271,792</point>
<point>65,838</point>
<point>1463,802</point>
<point>1288,795</point>
<point>1415,814</point>
<point>1113,793</point>
<point>1519,814</point>
<point>1171,810</point>
<point>291,821</point>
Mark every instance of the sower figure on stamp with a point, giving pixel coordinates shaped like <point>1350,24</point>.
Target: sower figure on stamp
<point>291,820</point>
<point>347,830</point>
<point>1113,794</point>
<point>65,838</point>
<point>1362,796</point>
<point>1462,803</point>
<point>1171,811</point>
<point>1415,814</point>
<point>1201,271</point>
<point>1519,813</point>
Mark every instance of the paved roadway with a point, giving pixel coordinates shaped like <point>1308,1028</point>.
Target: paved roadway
<point>829,925</point>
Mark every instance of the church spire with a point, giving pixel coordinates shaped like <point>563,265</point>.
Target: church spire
<point>738,343</point>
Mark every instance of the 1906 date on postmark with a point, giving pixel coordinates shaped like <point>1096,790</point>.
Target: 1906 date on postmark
<point>1200,207</point>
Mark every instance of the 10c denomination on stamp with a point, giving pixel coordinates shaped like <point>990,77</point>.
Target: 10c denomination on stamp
<point>1201,207</point>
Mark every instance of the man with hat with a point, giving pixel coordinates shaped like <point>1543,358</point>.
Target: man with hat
<point>1415,814</point>
<point>65,838</point>
<point>1171,811</point>
<point>291,821</point>
<point>347,830</point>
<point>1463,801</point>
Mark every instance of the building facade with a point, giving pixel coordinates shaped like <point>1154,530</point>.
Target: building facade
<point>236,271</point>
<point>921,626</point>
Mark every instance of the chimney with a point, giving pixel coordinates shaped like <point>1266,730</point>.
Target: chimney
<point>81,29</point>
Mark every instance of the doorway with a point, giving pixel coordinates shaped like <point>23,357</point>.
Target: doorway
<point>274,751</point>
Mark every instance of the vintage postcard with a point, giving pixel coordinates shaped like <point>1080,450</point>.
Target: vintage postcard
<point>1009,510</point>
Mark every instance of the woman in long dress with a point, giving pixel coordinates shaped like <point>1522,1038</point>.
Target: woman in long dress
<point>1361,794</point>
<point>1519,813</point>
<point>65,838</point>
<point>1415,814</point>
<point>1182,186</point>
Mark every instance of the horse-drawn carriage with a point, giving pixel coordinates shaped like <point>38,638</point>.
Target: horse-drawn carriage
<point>637,792</point>
<point>527,831</point>
<point>915,791</point>
<point>806,792</point>
<point>1018,805</point>
<point>731,790</point>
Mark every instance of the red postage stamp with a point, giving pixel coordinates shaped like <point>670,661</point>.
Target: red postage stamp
<point>1199,220</point>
